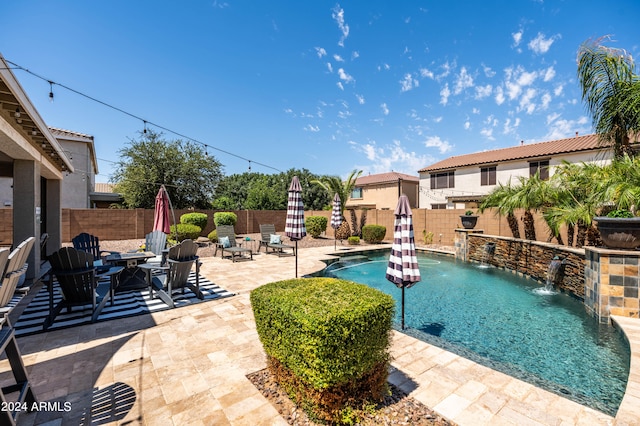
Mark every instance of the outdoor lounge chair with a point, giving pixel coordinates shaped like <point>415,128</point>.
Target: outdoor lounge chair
<point>16,267</point>
<point>156,243</point>
<point>180,260</point>
<point>78,279</point>
<point>91,244</point>
<point>227,242</point>
<point>269,241</point>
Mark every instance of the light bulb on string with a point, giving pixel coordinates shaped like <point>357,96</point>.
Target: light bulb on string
<point>17,113</point>
<point>249,166</point>
<point>51,91</point>
<point>145,127</point>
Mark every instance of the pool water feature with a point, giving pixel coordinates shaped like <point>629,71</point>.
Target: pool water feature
<point>498,319</point>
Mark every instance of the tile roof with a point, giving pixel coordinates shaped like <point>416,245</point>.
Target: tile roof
<point>384,178</point>
<point>532,150</point>
<point>68,133</point>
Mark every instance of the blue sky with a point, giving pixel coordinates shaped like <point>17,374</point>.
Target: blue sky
<point>327,86</point>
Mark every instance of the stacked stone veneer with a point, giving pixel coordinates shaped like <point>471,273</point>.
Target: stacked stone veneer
<point>611,283</point>
<point>523,257</point>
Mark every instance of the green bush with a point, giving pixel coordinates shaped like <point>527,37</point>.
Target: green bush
<point>373,234</point>
<point>225,218</point>
<point>184,231</point>
<point>353,240</point>
<point>326,342</point>
<point>213,236</point>
<point>620,213</point>
<point>316,225</point>
<point>198,219</point>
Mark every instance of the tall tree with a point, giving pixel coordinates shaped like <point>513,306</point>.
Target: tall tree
<point>501,198</point>
<point>611,93</point>
<point>189,174</point>
<point>334,185</point>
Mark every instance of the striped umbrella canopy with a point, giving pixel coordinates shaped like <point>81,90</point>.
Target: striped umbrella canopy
<point>336,215</point>
<point>402,269</point>
<point>294,226</point>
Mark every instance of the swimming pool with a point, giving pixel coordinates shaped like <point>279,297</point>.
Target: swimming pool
<point>498,319</point>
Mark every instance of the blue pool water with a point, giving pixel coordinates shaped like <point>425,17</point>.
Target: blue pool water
<point>501,320</point>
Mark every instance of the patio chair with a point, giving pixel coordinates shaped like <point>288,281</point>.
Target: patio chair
<point>156,242</point>
<point>17,266</point>
<point>270,240</point>
<point>227,242</point>
<point>91,244</point>
<point>76,274</point>
<point>180,260</point>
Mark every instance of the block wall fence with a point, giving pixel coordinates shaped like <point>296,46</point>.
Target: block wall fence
<point>121,224</point>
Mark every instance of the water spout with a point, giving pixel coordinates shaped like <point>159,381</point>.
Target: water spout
<point>488,250</point>
<point>555,274</point>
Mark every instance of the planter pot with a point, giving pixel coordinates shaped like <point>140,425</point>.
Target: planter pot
<point>468,221</point>
<point>619,232</point>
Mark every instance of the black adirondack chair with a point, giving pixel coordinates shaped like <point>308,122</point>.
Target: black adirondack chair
<point>78,280</point>
<point>91,244</point>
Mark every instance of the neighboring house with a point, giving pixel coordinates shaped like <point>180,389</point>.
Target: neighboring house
<point>103,196</point>
<point>460,182</point>
<point>381,191</point>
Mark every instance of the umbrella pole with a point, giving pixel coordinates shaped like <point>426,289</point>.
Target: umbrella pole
<point>296,258</point>
<point>403,307</point>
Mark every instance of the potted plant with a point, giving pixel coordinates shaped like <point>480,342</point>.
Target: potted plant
<point>469,220</point>
<point>619,229</point>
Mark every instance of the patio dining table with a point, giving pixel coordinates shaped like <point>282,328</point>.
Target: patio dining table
<point>132,277</point>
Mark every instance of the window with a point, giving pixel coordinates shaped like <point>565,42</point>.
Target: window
<point>488,175</point>
<point>442,180</point>
<point>542,166</point>
<point>356,193</point>
<point>440,206</point>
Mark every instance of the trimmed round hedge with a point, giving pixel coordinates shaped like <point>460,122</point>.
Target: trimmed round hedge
<point>373,234</point>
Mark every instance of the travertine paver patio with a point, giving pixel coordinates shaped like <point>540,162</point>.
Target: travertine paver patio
<point>188,366</point>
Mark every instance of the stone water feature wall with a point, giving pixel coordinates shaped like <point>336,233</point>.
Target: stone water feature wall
<point>525,258</point>
<point>611,283</point>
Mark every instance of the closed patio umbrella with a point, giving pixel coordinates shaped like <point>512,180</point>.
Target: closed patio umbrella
<point>402,269</point>
<point>294,226</point>
<point>336,216</point>
<point>161,221</point>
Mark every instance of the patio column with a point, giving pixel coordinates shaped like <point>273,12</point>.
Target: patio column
<point>54,215</point>
<point>26,210</point>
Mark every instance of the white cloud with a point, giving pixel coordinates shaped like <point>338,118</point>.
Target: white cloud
<point>549,73</point>
<point>517,38</point>
<point>360,99</point>
<point>321,52</point>
<point>540,44</point>
<point>408,83</point>
<point>444,94</point>
<point>344,76</point>
<point>526,102</point>
<point>558,90</point>
<point>330,67</point>
<point>390,157</point>
<point>463,81</point>
<point>475,111</point>
<point>385,109</point>
<point>385,67</point>
<point>311,128</point>
<point>499,96</point>
<point>425,73</point>
<point>355,55</point>
<point>516,79</point>
<point>483,91</point>
<point>338,16</point>
<point>488,72</point>
<point>467,125</point>
<point>340,86</point>
<point>487,133</point>
<point>545,100</point>
<point>436,142</point>
<point>560,128</point>
<point>552,117</point>
<point>509,127</point>
<point>437,119</point>
<point>446,70</point>
<point>337,58</point>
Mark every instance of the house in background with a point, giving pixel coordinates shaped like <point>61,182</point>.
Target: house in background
<point>381,191</point>
<point>103,196</point>
<point>460,182</point>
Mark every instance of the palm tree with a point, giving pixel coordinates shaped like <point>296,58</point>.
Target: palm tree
<point>501,198</point>
<point>334,185</point>
<point>611,92</point>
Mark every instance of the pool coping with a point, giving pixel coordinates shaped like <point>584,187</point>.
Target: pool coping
<point>629,409</point>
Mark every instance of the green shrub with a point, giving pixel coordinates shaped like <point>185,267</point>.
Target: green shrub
<point>213,236</point>
<point>326,342</point>
<point>225,218</point>
<point>620,213</point>
<point>373,234</point>
<point>316,225</point>
<point>198,219</point>
<point>353,240</point>
<point>184,231</point>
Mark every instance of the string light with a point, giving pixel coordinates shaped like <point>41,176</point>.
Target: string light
<point>206,146</point>
<point>17,113</point>
<point>145,127</point>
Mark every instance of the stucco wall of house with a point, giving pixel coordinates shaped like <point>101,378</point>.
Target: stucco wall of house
<point>76,186</point>
<point>385,195</point>
<point>467,179</point>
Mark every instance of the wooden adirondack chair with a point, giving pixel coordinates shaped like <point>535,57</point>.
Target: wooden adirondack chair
<point>89,243</point>
<point>180,260</point>
<point>266,231</point>
<point>227,233</point>
<point>13,272</point>
<point>156,242</point>
<point>76,275</point>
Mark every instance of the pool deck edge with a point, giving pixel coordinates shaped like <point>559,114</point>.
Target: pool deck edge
<point>629,410</point>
